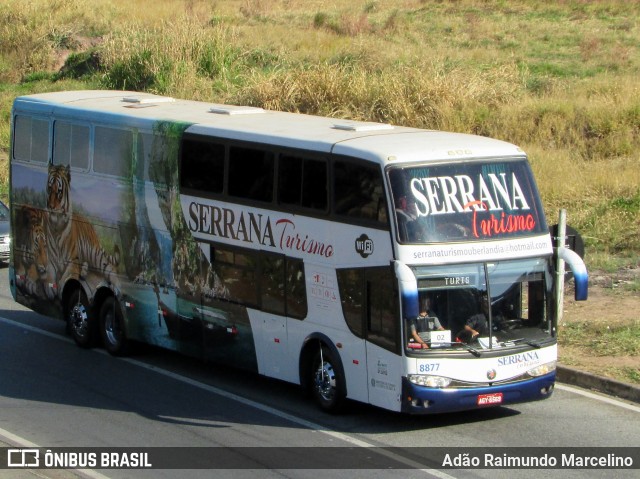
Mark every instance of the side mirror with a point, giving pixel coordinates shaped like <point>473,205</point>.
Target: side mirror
<point>580,274</point>
<point>572,241</point>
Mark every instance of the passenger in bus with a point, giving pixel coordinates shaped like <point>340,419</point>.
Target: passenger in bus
<point>406,219</point>
<point>426,322</point>
<point>477,325</point>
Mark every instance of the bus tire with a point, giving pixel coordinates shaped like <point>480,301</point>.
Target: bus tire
<point>80,321</point>
<point>112,330</point>
<point>327,385</point>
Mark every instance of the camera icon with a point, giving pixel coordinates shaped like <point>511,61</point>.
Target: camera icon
<point>23,458</point>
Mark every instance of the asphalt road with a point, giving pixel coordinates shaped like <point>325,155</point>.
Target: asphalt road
<point>54,394</point>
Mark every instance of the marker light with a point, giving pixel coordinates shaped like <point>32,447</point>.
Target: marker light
<point>429,381</point>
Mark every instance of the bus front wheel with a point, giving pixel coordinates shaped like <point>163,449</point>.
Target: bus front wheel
<point>326,382</point>
<point>112,328</point>
<point>80,321</point>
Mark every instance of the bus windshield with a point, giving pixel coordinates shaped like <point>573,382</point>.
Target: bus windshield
<point>483,305</point>
<point>465,202</point>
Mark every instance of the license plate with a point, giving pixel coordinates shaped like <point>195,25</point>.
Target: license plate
<point>4,248</point>
<point>487,399</point>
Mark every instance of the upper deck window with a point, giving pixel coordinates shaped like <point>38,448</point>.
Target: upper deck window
<point>359,191</point>
<point>31,139</point>
<point>202,165</point>
<point>113,151</point>
<point>71,144</point>
<point>251,173</point>
<point>302,182</point>
<point>466,202</point>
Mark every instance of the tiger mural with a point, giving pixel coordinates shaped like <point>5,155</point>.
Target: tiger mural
<point>74,246</point>
<point>33,274</point>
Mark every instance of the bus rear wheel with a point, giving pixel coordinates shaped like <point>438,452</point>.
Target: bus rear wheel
<point>112,328</point>
<point>326,382</point>
<point>80,321</point>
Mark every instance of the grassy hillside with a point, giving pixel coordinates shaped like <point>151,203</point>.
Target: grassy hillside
<point>557,78</point>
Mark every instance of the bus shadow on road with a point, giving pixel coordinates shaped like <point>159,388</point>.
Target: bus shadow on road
<point>186,391</point>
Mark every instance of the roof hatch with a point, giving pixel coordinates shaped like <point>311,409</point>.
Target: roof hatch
<point>235,110</point>
<point>361,126</point>
<point>141,101</point>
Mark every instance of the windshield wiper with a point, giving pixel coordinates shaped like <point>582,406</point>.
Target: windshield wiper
<point>529,342</point>
<point>473,351</point>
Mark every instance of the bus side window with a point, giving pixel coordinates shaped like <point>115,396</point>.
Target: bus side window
<point>296,291</point>
<point>302,182</point>
<point>369,305</point>
<point>351,285</point>
<point>238,270</point>
<point>71,145</point>
<point>31,139</point>
<point>113,151</point>
<point>359,192</point>
<point>251,174</point>
<point>272,284</point>
<point>382,308</point>
<point>202,166</point>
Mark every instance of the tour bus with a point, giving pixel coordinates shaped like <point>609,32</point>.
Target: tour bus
<point>409,269</point>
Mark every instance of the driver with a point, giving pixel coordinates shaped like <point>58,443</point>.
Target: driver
<point>478,324</point>
<point>426,322</point>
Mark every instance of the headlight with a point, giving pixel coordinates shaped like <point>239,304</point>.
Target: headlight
<point>542,369</point>
<point>429,381</point>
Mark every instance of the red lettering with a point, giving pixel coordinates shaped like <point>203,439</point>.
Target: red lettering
<point>503,224</point>
<point>293,241</point>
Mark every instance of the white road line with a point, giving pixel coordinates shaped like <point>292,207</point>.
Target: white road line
<point>286,416</point>
<point>20,442</point>
<point>35,330</point>
<point>242,400</point>
<point>599,397</point>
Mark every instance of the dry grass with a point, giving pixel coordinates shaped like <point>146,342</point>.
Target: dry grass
<point>559,79</point>
<point>600,335</point>
<point>34,32</point>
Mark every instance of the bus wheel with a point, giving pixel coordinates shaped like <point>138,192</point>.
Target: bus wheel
<point>326,383</point>
<point>112,328</point>
<point>80,322</point>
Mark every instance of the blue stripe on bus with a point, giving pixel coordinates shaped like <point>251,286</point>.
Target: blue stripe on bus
<point>464,399</point>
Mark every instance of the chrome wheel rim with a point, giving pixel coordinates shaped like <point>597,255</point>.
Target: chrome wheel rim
<point>79,322</point>
<point>325,381</point>
<point>111,328</point>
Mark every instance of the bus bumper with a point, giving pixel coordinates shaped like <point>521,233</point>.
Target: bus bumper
<point>423,400</point>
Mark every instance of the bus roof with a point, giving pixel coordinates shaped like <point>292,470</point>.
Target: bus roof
<point>378,142</point>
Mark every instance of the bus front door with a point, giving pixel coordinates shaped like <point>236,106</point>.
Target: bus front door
<point>384,365</point>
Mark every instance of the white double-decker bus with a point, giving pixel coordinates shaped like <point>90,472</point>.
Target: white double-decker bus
<point>405,268</point>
